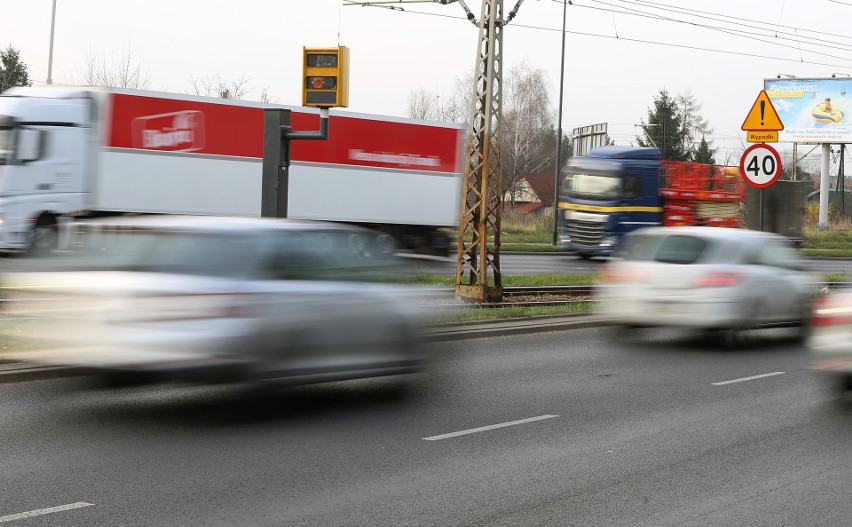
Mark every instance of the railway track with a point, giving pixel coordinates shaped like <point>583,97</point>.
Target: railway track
<point>542,296</point>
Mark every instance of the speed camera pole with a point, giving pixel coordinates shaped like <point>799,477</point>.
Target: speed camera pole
<point>325,83</point>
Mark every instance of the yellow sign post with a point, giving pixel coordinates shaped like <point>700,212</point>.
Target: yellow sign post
<point>762,122</point>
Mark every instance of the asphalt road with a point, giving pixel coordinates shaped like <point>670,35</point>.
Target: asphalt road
<point>561,428</point>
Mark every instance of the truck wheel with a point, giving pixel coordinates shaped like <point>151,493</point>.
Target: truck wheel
<point>44,237</point>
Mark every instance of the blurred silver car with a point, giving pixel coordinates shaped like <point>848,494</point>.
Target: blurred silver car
<point>215,299</point>
<point>706,278</point>
<point>830,339</point>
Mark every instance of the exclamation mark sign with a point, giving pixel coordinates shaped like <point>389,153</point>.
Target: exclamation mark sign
<point>762,110</point>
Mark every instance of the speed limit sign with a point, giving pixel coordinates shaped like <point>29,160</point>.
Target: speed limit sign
<point>760,165</point>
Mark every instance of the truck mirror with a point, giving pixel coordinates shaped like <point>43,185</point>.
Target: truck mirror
<point>30,144</point>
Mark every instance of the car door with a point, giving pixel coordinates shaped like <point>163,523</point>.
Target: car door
<point>784,283</point>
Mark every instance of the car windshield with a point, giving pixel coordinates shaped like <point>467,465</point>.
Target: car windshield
<point>5,145</point>
<point>678,249</point>
<point>681,249</point>
<point>276,255</point>
<point>148,250</point>
<point>592,186</point>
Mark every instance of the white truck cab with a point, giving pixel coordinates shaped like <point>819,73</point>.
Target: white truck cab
<point>47,136</point>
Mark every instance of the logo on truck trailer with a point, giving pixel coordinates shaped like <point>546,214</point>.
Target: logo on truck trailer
<point>173,132</point>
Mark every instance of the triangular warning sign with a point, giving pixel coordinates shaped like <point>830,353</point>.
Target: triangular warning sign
<point>762,117</point>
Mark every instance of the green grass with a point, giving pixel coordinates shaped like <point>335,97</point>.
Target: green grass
<point>424,278</point>
<point>503,313</point>
<point>837,253</point>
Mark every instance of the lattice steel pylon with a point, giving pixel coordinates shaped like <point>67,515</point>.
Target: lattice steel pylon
<point>478,276</point>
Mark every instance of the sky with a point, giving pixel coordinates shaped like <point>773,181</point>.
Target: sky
<point>619,54</point>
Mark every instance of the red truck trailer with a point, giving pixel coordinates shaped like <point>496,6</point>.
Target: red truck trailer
<point>69,153</point>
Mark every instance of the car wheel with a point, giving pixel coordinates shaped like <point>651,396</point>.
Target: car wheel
<point>844,384</point>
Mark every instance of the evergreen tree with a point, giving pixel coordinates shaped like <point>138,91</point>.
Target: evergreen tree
<point>664,129</point>
<point>704,154</point>
<point>13,72</point>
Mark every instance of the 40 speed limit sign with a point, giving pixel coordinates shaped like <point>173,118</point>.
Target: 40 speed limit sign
<point>760,165</point>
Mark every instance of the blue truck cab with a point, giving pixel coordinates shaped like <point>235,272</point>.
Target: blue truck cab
<point>609,192</point>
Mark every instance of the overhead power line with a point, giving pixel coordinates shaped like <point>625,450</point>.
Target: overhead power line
<point>800,60</point>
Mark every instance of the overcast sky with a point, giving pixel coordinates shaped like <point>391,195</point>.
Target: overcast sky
<point>619,53</point>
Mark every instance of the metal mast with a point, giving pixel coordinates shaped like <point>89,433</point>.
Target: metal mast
<point>478,276</point>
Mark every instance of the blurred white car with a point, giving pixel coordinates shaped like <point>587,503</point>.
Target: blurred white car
<point>155,299</point>
<point>707,278</point>
<point>830,339</point>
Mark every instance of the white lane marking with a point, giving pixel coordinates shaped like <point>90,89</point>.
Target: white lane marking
<point>753,377</point>
<point>40,512</point>
<point>489,427</point>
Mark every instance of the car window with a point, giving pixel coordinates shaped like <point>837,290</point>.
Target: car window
<point>777,254</point>
<point>638,247</point>
<point>681,249</point>
<point>330,255</point>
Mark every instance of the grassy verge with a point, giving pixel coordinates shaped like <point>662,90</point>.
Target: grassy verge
<point>509,312</point>
<point>508,281</point>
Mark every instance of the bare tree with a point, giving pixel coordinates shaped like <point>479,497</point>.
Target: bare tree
<point>694,127</point>
<point>125,71</point>
<point>527,142</point>
<point>216,86</point>
<point>527,132</point>
<point>421,105</point>
<point>266,97</point>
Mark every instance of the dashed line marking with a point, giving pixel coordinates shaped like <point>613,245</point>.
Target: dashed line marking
<point>753,377</point>
<point>41,512</point>
<point>489,427</point>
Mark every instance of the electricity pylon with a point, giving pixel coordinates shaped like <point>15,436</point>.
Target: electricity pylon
<point>478,276</point>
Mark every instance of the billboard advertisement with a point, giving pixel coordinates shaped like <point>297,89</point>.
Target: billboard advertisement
<point>812,110</point>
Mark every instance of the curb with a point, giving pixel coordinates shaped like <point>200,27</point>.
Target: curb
<point>15,371</point>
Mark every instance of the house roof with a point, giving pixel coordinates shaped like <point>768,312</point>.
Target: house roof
<point>542,184</point>
<point>526,207</point>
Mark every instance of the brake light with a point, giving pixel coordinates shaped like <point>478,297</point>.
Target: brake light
<point>717,279</point>
<point>620,274</point>
<point>828,311</point>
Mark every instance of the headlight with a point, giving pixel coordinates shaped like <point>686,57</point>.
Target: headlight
<point>609,241</point>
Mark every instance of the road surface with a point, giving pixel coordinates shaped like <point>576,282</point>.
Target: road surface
<point>560,428</point>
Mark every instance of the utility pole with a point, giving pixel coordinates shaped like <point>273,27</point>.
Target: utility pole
<point>478,276</point>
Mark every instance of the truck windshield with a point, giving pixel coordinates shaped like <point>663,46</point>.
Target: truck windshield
<point>5,145</point>
<point>592,186</point>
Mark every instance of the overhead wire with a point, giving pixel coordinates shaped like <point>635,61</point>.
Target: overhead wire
<point>733,32</point>
<point>629,39</point>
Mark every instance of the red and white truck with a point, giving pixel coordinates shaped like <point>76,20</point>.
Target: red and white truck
<point>69,153</point>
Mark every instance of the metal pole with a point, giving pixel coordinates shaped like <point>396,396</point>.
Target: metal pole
<point>559,128</point>
<point>50,54</point>
<point>824,186</point>
<point>761,210</point>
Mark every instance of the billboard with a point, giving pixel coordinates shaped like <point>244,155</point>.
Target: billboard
<point>812,110</point>
<point>587,138</point>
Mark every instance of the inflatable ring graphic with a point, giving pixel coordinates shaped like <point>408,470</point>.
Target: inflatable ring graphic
<point>834,116</point>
